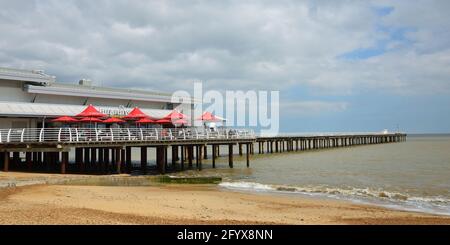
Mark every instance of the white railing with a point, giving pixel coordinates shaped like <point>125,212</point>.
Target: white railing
<point>83,135</point>
<point>319,134</point>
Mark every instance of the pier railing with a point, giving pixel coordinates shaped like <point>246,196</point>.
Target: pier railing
<point>324,134</point>
<point>84,135</point>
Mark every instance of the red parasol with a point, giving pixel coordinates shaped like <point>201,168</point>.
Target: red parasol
<point>208,117</point>
<point>113,120</point>
<point>91,111</point>
<point>90,119</point>
<point>135,114</point>
<point>163,121</point>
<point>174,115</point>
<point>65,119</point>
<point>145,120</point>
<point>181,121</point>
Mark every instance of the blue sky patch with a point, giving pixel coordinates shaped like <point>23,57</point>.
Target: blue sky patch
<point>383,11</point>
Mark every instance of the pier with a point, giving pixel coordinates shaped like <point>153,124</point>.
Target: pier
<point>109,150</point>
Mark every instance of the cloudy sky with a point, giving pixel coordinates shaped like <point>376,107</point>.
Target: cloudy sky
<point>339,65</point>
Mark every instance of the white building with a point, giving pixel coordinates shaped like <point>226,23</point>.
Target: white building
<point>29,98</point>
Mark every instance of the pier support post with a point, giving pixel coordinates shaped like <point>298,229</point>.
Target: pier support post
<point>183,151</point>
<point>197,153</point>
<point>128,165</point>
<point>15,159</point>
<point>190,155</point>
<point>56,160</point>
<point>200,148</point>
<point>35,158</point>
<point>100,162</point>
<point>230,155</point>
<point>144,159</point>
<point>64,161</point>
<point>160,159</point>
<point>106,160</point>
<point>174,156</point>
<point>214,156</point>
<point>165,158</point>
<point>78,157</point>
<point>205,152</point>
<point>28,160</point>
<point>113,159</point>
<point>248,154</point>
<point>5,161</point>
<point>86,159</point>
<point>94,159</point>
<point>240,149</point>
<point>118,161</point>
<point>39,158</point>
<point>123,160</point>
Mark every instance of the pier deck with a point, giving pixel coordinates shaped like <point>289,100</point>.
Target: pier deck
<point>104,151</point>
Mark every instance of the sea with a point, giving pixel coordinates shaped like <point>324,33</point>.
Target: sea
<point>413,175</point>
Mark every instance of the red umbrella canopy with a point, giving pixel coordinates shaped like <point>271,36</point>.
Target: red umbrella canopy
<point>91,111</point>
<point>90,119</point>
<point>145,120</point>
<point>113,120</point>
<point>208,117</point>
<point>181,121</point>
<point>65,119</point>
<point>174,115</point>
<point>164,121</point>
<point>136,114</point>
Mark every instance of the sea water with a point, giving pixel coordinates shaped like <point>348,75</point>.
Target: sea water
<point>412,175</point>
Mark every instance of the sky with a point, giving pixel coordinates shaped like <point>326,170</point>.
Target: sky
<point>339,65</point>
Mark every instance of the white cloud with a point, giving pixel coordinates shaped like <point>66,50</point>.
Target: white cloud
<point>166,45</point>
<point>308,108</point>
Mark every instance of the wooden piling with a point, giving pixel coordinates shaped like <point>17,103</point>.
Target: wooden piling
<point>200,148</point>
<point>64,161</point>
<point>128,164</point>
<point>190,155</point>
<point>6,161</point>
<point>230,155</point>
<point>93,159</point>
<point>165,158</point>
<point>123,160</point>
<point>117,162</point>
<point>214,147</point>
<point>197,156</point>
<point>28,161</point>
<point>248,154</point>
<point>144,159</point>
<point>106,160</point>
<point>182,158</point>
<point>160,159</point>
<point>174,156</point>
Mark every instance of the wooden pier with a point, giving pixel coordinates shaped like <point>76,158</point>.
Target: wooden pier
<point>113,155</point>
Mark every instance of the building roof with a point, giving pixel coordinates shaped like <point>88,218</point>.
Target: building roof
<point>41,83</point>
<point>98,92</point>
<point>19,109</point>
<point>26,75</point>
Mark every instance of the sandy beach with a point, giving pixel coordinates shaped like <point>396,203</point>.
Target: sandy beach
<point>184,204</point>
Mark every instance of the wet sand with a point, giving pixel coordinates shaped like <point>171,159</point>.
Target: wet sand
<point>185,204</point>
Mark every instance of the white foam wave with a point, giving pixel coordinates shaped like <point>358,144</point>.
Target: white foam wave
<point>437,204</point>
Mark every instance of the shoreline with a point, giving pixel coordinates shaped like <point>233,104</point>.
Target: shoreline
<point>186,204</point>
<point>291,191</point>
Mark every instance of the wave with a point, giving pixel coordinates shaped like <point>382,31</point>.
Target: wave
<point>396,200</point>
